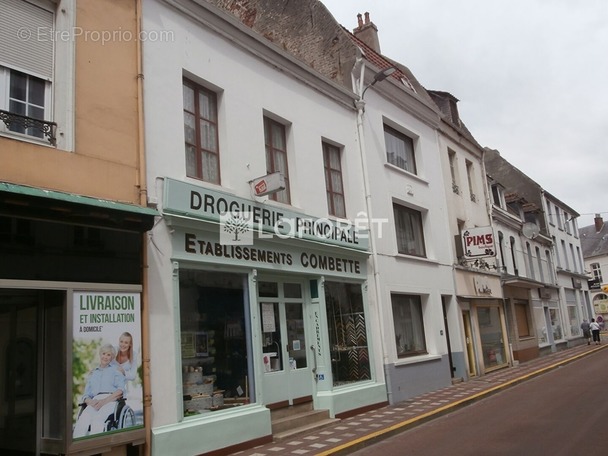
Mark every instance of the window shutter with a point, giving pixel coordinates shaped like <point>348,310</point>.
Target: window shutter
<point>26,38</point>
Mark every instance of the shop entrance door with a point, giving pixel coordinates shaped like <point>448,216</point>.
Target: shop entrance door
<point>468,335</point>
<point>32,403</point>
<point>288,377</point>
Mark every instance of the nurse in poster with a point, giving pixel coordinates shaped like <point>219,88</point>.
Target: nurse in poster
<point>106,366</point>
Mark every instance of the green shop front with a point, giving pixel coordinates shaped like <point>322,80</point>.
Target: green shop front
<point>269,312</point>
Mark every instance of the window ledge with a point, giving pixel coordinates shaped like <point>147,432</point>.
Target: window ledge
<point>416,360</point>
<point>405,173</point>
<point>404,256</point>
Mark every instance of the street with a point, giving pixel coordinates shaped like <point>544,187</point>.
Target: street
<point>563,412</point>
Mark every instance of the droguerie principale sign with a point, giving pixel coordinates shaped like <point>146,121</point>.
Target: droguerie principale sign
<point>478,242</point>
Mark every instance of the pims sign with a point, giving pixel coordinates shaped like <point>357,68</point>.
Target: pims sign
<point>478,242</point>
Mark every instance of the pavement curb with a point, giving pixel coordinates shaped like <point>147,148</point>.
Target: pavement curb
<point>382,434</point>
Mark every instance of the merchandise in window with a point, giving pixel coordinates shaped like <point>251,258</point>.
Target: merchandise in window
<point>347,333</point>
<point>215,344</point>
<point>409,325</point>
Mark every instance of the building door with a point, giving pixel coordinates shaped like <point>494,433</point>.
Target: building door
<point>32,404</point>
<point>468,337</point>
<point>492,336</point>
<point>288,377</point>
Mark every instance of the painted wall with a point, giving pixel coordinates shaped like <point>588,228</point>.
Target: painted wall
<point>103,84</point>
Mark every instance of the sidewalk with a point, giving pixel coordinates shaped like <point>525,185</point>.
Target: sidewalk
<point>354,433</point>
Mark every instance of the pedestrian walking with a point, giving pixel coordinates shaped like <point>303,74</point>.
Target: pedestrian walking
<point>586,331</point>
<point>595,331</point>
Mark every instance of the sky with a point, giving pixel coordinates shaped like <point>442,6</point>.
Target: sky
<point>531,77</point>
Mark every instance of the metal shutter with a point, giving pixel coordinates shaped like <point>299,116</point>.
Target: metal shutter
<point>27,38</point>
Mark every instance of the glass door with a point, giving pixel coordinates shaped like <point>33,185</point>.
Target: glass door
<point>32,405</point>
<point>287,374</point>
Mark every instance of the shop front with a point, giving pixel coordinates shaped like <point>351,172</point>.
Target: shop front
<point>483,320</point>
<point>265,319</point>
<point>70,283</point>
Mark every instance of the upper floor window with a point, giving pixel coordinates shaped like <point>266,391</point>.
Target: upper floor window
<point>498,196</point>
<point>550,213</point>
<point>597,272</point>
<point>276,156</point>
<point>399,149</point>
<point>410,235</point>
<point>567,223</point>
<point>26,69</point>
<point>409,325</point>
<point>200,132</point>
<point>558,217</point>
<point>333,180</point>
<point>471,180</point>
<point>453,171</point>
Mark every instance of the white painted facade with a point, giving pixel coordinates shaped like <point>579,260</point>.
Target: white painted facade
<point>252,79</point>
<point>428,276</point>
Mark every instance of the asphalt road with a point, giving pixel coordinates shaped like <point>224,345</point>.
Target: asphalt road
<point>561,413</point>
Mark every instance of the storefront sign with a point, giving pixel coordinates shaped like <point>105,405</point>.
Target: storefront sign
<point>193,245</point>
<point>478,242</point>
<point>107,391</point>
<point>196,202</point>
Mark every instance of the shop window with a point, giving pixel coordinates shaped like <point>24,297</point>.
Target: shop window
<point>490,333</point>
<point>399,150</point>
<point>214,341</point>
<point>522,316</point>
<point>410,235</point>
<point>409,325</point>
<point>556,324</point>
<point>276,156</point>
<point>200,133</point>
<point>347,333</point>
<point>333,180</point>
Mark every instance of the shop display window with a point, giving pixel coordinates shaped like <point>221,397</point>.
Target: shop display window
<point>215,339</point>
<point>347,333</point>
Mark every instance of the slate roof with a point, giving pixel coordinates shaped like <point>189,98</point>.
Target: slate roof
<point>594,243</point>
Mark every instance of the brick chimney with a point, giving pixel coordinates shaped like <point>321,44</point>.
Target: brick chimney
<point>367,32</point>
<point>599,223</point>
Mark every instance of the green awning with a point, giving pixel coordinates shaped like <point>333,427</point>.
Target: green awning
<point>25,201</point>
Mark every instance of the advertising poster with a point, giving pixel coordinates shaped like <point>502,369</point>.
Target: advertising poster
<point>107,391</point>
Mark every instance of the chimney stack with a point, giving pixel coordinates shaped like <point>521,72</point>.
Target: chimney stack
<point>367,32</point>
<point>599,223</point>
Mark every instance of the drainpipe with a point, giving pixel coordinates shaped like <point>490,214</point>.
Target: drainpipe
<point>143,201</point>
<point>360,106</point>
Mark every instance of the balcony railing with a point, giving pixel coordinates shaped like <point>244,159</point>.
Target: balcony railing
<point>45,127</point>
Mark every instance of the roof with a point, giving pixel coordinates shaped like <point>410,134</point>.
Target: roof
<point>594,243</point>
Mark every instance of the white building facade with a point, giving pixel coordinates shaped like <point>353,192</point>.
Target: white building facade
<point>256,302</point>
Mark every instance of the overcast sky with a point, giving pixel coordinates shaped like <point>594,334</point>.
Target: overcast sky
<point>531,77</point>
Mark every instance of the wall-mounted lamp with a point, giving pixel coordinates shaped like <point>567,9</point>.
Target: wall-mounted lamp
<point>379,76</point>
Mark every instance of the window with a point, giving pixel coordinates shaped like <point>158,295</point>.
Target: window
<point>470,179</point>
<point>276,156</point>
<point>26,69</point>
<point>550,213</point>
<point>333,180</point>
<point>565,255</point>
<point>453,171</point>
<point>558,217</point>
<point>539,260</point>
<point>410,236</point>
<point>214,344</point>
<point>409,325</point>
<point>567,222</point>
<point>597,272</point>
<point>347,333</point>
<point>531,273</point>
<point>498,197</point>
<point>522,316</point>
<point>399,150</point>
<point>513,248</point>
<point>549,266</point>
<point>200,132</point>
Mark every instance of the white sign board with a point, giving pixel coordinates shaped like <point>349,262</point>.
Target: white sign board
<point>478,242</point>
